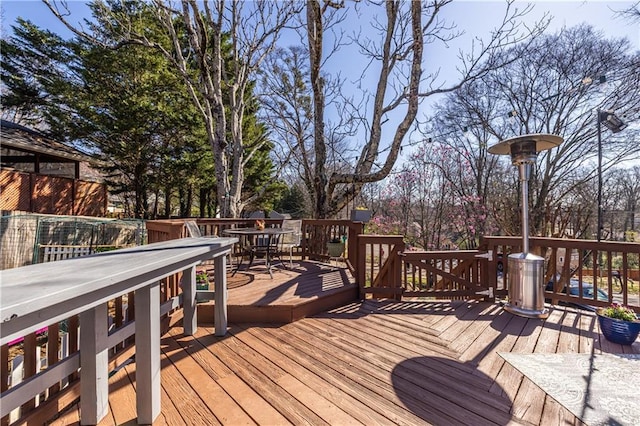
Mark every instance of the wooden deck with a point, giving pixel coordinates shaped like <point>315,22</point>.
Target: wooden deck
<point>294,292</point>
<point>404,363</point>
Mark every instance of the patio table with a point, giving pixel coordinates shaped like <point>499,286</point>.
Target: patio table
<point>262,241</point>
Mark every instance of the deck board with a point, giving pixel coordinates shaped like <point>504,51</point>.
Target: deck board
<point>354,365</point>
<point>393,334</point>
<point>270,348</point>
<point>529,401</point>
<point>186,395</point>
<point>122,397</point>
<point>305,280</point>
<point>349,372</point>
<point>292,293</point>
<point>416,364</point>
<point>502,340</point>
<point>223,409</point>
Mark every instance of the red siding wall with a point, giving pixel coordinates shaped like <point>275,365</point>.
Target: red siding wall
<point>36,193</point>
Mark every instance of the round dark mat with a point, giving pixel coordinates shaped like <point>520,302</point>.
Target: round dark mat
<point>238,280</point>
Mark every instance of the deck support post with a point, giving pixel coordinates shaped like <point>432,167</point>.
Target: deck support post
<point>220,295</point>
<point>190,321</point>
<point>148,353</point>
<point>94,361</point>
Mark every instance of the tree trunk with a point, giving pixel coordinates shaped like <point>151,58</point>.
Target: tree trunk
<point>315,35</point>
<point>167,202</point>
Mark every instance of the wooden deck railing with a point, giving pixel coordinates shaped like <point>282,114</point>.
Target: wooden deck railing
<point>459,274</point>
<point>385,269</point>
<point>378,265</point>
<point>316,233</point>
<point>382,266</point>
<point>611,266</point>
<point>40,302</point>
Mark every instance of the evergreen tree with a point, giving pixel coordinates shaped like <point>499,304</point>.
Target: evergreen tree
<point>128,106</point>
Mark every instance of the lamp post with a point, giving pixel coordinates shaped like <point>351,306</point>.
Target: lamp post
<point>615,124</point>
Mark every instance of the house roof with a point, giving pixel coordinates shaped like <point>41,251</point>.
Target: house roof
<point>21,138</point>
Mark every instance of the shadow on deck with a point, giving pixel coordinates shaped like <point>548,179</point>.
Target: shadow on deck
<point>294,292</point>
<point>373,362</point>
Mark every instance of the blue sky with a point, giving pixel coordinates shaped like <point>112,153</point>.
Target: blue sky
<point>475,17</point>
<point>600,14</point>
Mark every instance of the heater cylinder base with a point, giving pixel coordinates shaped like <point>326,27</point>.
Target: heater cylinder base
<point>527,313</point>
<point>525,282</point>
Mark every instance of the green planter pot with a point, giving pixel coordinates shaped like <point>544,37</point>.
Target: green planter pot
<point>204,286</point>
<point>335,249</point>
<point>619,331</point>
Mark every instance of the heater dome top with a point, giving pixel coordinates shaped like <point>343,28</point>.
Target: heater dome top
<point>543,142</point>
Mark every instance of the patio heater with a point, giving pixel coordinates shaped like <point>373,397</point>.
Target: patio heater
<point>525,278</point>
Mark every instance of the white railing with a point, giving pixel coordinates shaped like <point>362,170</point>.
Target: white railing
<point>35,296</point>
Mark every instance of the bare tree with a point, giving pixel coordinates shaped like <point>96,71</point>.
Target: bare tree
<point>386,114</point>
<point>573,215</point>
<point>631,13</point>
<point>558,91</point>
<point>557,85</point>
<point>623,185</point>
<point>463,123</point>
<point>217,47</point>
<point>287,108</point>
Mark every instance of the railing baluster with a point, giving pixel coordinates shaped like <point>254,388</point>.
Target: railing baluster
<point>53,348</point>
<point>73,323</point>
<point>4,376</point>
<point>29,366</point>
<point>586,262</point>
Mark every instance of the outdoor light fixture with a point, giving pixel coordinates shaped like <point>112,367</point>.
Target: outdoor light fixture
<point>525,278</point>
<point>611,121</point>
<point>614,123</point>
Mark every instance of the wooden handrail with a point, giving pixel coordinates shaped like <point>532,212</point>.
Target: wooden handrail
<point>316,233</point>
<point>446,274</point>
<point>581,260</point>
<point>36,296</point>
<point>378,269</point>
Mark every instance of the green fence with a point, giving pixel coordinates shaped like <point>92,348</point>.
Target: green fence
<point>22,235</point>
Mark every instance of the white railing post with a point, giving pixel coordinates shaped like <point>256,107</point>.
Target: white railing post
<point>148,353</point>
<point>17,367</point>
<point>220,295</point>
<point>82,285</point>
<point>63,353</point>
<point>190,320</point>
<point>94,365</point>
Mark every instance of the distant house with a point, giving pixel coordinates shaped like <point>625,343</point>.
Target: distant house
<point>41,175</point>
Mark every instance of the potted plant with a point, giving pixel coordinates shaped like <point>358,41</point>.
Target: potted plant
<point>360,214</point>
<point>335,247</point>
<point>619,324</point>
<point>202,280</point>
